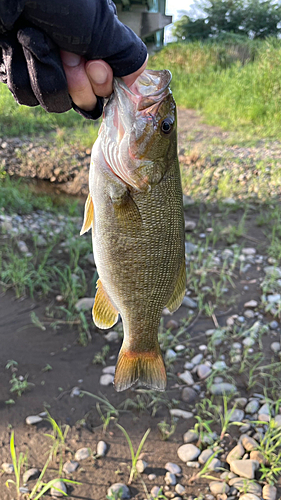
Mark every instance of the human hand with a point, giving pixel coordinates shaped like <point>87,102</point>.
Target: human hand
<point>86,80</point>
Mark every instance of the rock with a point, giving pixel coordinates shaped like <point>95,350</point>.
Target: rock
<point>263,417</point>
<point>188,452</point>
<point>155,491</point>
<point>275,346</point>
<point>173,468</point>
<point>245,428</point>
<point>222,388</point>
<point>272,299</point>
<point>33,419</point>
<point>249,314</point>
<point>250,304</point>
<point>197,359</point>
<point>180,489</point>
<point>141,466</point>
<point>75,392</point>
<point>186,377</point>
<point>84,304</point>
<point>151,477</point>
<point>106,379</point>
<point>249,496</point>
<point>112,336</point>
<point>258,456</point>
<point>61,486</point>
<point>189,225</point>
<point>241,402</point>
<point>119,488</point>
<point>188,365</point>
<point>82,454</point>
<point>214,465</point>
<point>219,365</point>
<point>101,449</point>
<point>245,485</point>
<point>188,395</point>
<point>249,342</point>
<point>252,406</point>
<point>205,455</point>
<point>190,247</point>
<point>265,409</point>
<point>170,479</point>
<point>190,436</point>
<point>236,415</point>
<point>203,371</point>
<point>22,246</point>
<point>248,442</point>
<point>218,487</point>
<point>180,348</point>
<point>229,201</point>
<point>227,475</point>
<point>193,465</point>
<point>70,466</point>
<point>187,200</point>
<point>275,272</point>
<point>277,420</point>
<point>269,492</point>
<point>273,325</point>
<point>176,412</point>
<point>188,302</point>
<point>249,251</point>
<point>8,468</point>
<point>172,325</point>
<point>30,474</point>
<point>236,453</point>
<point>170,354</point>
<point>244,468</point>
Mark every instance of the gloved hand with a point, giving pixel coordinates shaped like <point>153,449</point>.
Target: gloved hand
<point>33,32</point>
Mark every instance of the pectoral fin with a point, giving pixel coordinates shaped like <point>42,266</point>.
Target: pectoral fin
<point>126,210</point>
<point>104,313</point>
<point>88,215</point>
<point>179,291</point>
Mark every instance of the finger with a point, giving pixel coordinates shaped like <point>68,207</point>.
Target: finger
<point>130,79</point>
<point>101,77</point>
<point>79,86</point>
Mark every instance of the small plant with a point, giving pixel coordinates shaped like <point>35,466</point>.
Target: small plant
<point>19,384</point>
<point>100,357</point>
<point>166,430</point>
<point>134,456</point>
<point>58,438</point>
<point>118,495</point>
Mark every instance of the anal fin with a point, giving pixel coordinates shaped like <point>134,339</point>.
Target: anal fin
<point>88,215</point>
<point>104,313</point>
<point>179,291</point>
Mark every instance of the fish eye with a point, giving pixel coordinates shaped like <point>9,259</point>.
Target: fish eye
<point>166,126</point>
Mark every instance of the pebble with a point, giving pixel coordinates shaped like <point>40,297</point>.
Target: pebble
<point>106,379</point>
<point>190,436</point>
<point>176,412</point>
<point>141,466</point>
<point>190,225</point>
<point>250,304</point>
<point>227,475</point>
<point>84,304</point>
<point>151,477</point>
<point>244,468</point>
<point>258,456</point>
<point>273,325</point>
<point>8,468</point>
<point>263,417</point>
<point>236,453</point>
<point>215,465</point>
<point>248,442</point>
<point>112,336</point>
<point>173,468</point>
<point>186,377</point>
<point>222,388</point>
<point>170,479</point>
<point>245,485</point>
<point>188,302</point>
<point>249,251</point>
<point>275,272</point>
<point>193,465</point>
<point>249,342</point>
<point>188,365</point>
<point>75,392</point>
<point>22,246</point>
<point>180,489</point>
<point>33,419</point>
<point>189,395</point>
<point>119,487</point>
<point>180,348</point>
<point>278,420</point>
<point>249,314</point>
<point>241,402</point>
<point>236,415</point>
<point>197,359</point>
<point>170,354</point>
<point>275,346</point>
<point>82,454</point>
<point>272,299</point>
<point>109,369</point>
<point>249,496</point>
<point>101,449</point>
<point>203,371</point>
<point>269,492</point>
<point>172,325</point>
<point>205,455</point>
<point>218,487</point>
<point>188,452</point>
<point>252,406</point>
<point>30,474</point>
<point>60,485</point>
<point>265,409</point>
<point>70,466</point>
<point>155,491</point>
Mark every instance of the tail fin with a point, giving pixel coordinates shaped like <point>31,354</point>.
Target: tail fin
<point>146,367</point>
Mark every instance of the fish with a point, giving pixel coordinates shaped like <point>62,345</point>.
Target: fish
<point>135,211</point>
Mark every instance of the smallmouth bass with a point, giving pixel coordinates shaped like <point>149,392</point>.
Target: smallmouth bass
<point>135,211</point>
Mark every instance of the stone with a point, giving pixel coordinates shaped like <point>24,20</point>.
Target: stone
<point>205,455</point>
<point>197,359</point>
<point>236,453</point>
<point>236,415</point>
<point>188,452</point>
<point>249,251</point>
<point>229,201</point>
<point>219,365</point>
<point>188,302</point>
<point>101,449</point>
<point>33,419</point>
<point>61,486</point>
<point>215,465</point>
<point>189,225</point>
<point>258,456</point>
<point>84,304</point>
<point>170,479</point>
<point>252,406</point>
<point>241,402</point>
<point>249,314</point>
<point>112,336</point>
<point>180,348</point>
<point>106,379</point>
<point>249,496</point>
<point>119,488</point>
<point>250,304</point>
<point>189,395</point>
<point>227,475</point>
<point>155,491</point>
<point>186,377</point>
<point>176,412</point>
<point>275,272</point>
<point>70,466</point>
<point>249,342</point>
<point>265,409</point>
<point>180,489</point>
<point>277,420</point>
<point>173,468</point>
<point>170,354</point>
<point>218,487</point>
<point>30,474</point>
<point>269,492</point>
<point>172,325</point>
<point>151,477</point>
<point>75,392</point>
<point>188,365</point>
<point>244,468</point>
<point>222,388</point>
<point>8,468</point>
<point>274,298</point>
<point>245,485</point>
<point>193,465</point>
<point>141,466</point>
<point>190,436</point>
<point>248,442</point>
<point>273,325</point>
<point>275,346</point>
<point>263,417</point>
<point>203,371</point>
<point>82,454</point>
<point>22,246</point>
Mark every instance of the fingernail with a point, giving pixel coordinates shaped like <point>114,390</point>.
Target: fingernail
<point>70,59</point>
<point>97,72</point>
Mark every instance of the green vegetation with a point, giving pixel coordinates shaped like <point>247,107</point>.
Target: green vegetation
<point>134,456</point>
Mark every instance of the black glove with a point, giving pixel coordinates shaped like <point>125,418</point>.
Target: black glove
<point>31,64</point>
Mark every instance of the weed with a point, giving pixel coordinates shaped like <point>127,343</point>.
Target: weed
<point>100,357</point>
<point>19,384</point>
<point>58,438</point>
<point>134,456</point>
<point>166,430</point>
